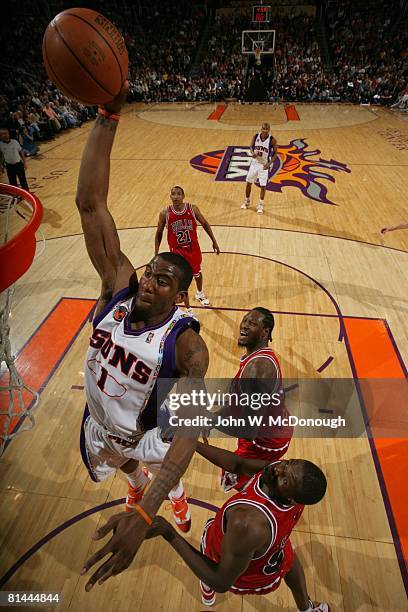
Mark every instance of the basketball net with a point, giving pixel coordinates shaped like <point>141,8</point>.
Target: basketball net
<point>257,53</point>
<point>17,399</point>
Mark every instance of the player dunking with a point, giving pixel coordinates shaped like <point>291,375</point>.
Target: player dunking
<point>259,372</point>
<point>264,152</point>
<point>246,548</point>
<point>139,336</point>
<point>180,219</point>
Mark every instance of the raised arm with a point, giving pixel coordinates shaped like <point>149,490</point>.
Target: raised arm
<point>101,236</point>
<point>207,228</point>
<point>230,462</point>
<point>161,224</point>
<point>245,533</point>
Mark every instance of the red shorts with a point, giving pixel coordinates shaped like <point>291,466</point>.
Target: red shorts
<point>250,450</point>
<point>192,253</point>
<point>247,588</point>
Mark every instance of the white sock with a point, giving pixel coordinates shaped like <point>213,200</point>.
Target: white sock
<point>200,293</point>
<point>262,202</point>
<point>138,478</point>
<point>246,199</point>
<point>178,491</point>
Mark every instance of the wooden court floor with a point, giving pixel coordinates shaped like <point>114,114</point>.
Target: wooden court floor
<point>316,258</point>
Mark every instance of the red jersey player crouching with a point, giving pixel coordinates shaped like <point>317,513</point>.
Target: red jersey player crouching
<point>259,372</point>
<point>246,548</point>
<point>180,219</point>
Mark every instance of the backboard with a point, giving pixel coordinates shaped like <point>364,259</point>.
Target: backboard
<point>258,39</point>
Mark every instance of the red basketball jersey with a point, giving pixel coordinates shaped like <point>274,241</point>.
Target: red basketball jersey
<point>181,229</point>
<point>281,435</point>
<point>267,353</point>
<point>263,573</point>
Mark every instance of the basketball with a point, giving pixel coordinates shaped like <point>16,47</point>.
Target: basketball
<point>85,56</point>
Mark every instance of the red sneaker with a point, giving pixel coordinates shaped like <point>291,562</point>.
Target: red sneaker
<point>181,513</point>
<point>134,496</point>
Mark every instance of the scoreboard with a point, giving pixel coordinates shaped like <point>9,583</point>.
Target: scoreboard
<point>261,14</point>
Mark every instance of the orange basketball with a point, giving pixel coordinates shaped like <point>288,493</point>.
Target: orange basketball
<point>85,56</point>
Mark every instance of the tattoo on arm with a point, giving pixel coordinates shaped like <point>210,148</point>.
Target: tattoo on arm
<point>196,360</point>
<point>169,475</point>
<point>106,123</point>
<point>174,465</point>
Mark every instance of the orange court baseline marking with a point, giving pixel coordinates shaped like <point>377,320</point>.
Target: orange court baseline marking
<point>374,355</point>
<point>217,113</point>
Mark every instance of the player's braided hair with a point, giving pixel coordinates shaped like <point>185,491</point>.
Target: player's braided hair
<point>268,319</point>
<point>314,484</point>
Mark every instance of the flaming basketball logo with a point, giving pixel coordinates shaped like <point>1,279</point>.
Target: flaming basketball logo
<point>292,168</point>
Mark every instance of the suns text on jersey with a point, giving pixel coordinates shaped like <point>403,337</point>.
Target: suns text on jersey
<point>118,357</point>
<point>261,149</point>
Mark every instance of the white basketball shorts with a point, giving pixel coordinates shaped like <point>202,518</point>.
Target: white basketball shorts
<point>103,456</point>
<point>257,171</point>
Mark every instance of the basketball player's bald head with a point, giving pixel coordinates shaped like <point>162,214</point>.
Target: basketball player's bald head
<point>295,481</point>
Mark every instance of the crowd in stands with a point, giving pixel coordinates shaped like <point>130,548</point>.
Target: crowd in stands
<point>298,72</point>
<point>183,52</point>
<point>40,113</point>
<point>31,107</point>
<point>162,57</point>
<point>369,49</point>
<point>223,61</point>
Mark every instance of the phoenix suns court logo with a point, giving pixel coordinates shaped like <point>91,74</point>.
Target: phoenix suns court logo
<point>292,168</point>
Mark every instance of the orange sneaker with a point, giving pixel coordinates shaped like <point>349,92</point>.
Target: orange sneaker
<point>134,496</point>
<point>181,513</point>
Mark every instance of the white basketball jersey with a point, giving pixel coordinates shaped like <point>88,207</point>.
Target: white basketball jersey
<point>123,365</point>
<point>264,147</point>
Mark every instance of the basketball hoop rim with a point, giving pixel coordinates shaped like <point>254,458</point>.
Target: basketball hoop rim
<point>17,254</point>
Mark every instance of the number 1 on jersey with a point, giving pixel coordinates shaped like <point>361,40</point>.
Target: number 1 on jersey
<point>102,379</point>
